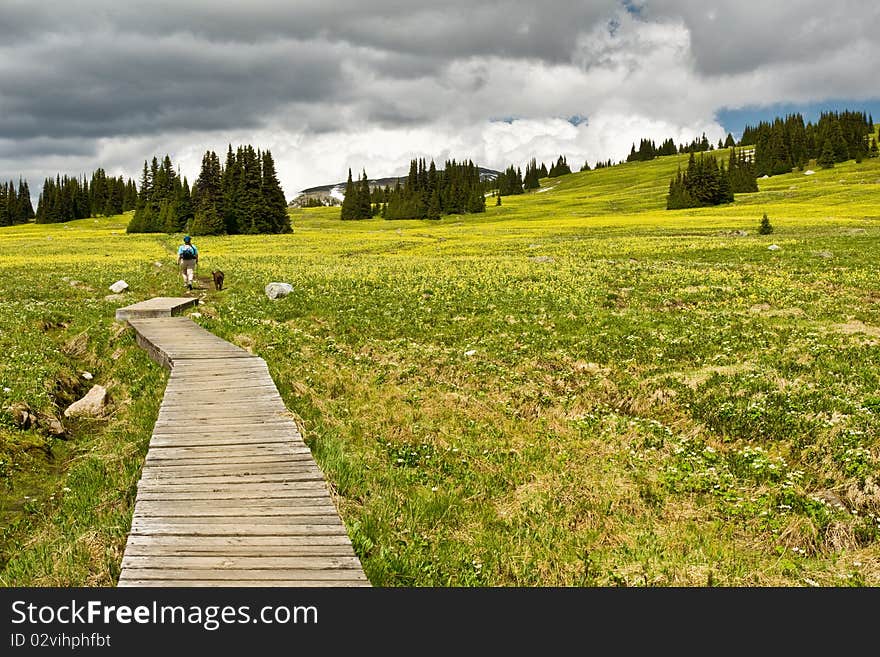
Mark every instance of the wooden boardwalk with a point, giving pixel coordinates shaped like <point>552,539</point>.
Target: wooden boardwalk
<point>229,494</point>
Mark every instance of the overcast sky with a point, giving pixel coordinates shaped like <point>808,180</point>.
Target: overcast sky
<point>332,84</point>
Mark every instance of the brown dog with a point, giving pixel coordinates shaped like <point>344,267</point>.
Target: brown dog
<point>218,279</point>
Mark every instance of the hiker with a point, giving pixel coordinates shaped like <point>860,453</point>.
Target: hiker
<point>187,258</point>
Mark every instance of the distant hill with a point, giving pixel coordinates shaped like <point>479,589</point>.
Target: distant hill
<point>336,191</point>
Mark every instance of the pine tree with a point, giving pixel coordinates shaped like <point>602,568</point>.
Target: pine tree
<point>273,197</point>
<point>230,181</point>
<point>349,202</point>
<point>206,221</point>
<point>207,194</point>
<point>25,207</point>
<point>826,159</point>
<point>764,228</point>
<point>531,178</point>
<point>363,197</point>
<point>184,208</point>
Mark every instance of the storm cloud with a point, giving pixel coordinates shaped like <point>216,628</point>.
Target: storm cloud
<point>336,84</point>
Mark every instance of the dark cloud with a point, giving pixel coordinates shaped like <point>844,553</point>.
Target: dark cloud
<point>135,86</point>
<point>736,37</point>
<point>42,147</point>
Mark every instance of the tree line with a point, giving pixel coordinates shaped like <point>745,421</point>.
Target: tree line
<point>65,198</point>
<point>648,149</point>
<point>426,193</point>
<point>513,180</point>
<point>788,143</point>
<point>242,197</point>
<point>15,206</point>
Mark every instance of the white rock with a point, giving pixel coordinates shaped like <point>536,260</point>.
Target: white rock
<point>275,290</point>
<point>87,376</point>
<point>119,286</point>
<point>809,172</point>
<point>470,352</point>
<point>774,247</point>
<point>157,264</point>
<point>196,315</point>
<point>92,405</point>
<point>764,177</point>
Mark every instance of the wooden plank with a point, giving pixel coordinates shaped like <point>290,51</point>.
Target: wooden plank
<point>256,574</point>
<point>213,482</point>
<point>281,470</point>
<point>211,455</point>
<point>256,424</point>
<point>218,529</point>
<point>221,463</point>
<point>303,583</point>
<point>267,523</point>
<point>226,451</point>
<point>151,549</point>
<point>146,507</point>
<point>268,514</point>
<point>238,440</point>
<point>233,485</point>
<point>240,562</point>
<point>241,494</point>
<point>243,542</point>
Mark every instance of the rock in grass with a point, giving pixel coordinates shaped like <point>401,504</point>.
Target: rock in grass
<point>276,290</point>
<point>774,247</point>
<point>119,286</point>
<point>22,415</point>
<point>54,426</point>
<point>92,405</point>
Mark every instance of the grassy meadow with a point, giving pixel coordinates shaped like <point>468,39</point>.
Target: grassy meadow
<point>578,388</point>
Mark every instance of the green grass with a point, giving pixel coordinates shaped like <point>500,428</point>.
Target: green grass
<point>577,388</point>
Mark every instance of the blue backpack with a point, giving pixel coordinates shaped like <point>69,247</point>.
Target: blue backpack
<point>187,253</point>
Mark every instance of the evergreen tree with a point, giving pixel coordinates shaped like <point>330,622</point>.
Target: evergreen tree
<point>826,159</point>
<point>207,190</point>
<point>364,211</point>
<point>250,196</point>
<point>350,201</point>
<point>184,212</point>
<point>206,221</point>
<point>561,168</point>
<point>25,207</point>
<point>530,180</point>
<point>764,228</point>
<point>273,197</point>
<point>230,183</point>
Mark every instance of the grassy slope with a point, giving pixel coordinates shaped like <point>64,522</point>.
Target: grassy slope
<point>577,388</point>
